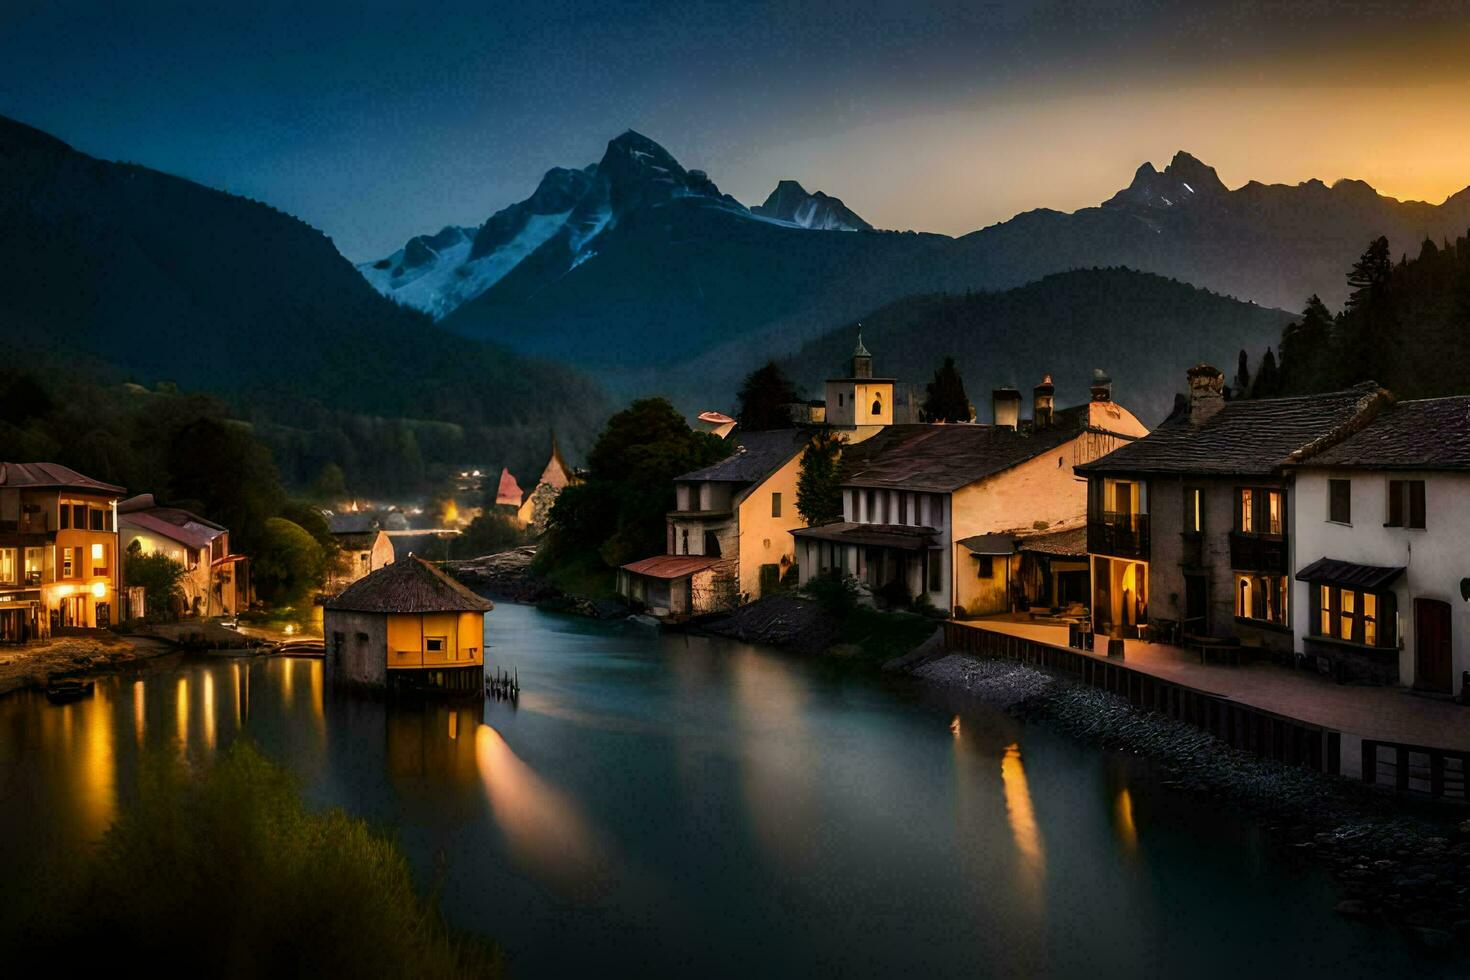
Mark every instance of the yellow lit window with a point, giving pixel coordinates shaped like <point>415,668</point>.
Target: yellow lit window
<point>1326,604</point>
<point>1273,512</point>
<point>1346,631</point>
<point>1370,619</point>
<point>1247,511</point>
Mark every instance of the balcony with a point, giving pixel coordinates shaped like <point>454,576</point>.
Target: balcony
<point>30,523</point>
<point>1258,553</point>
<point>1118,534</point>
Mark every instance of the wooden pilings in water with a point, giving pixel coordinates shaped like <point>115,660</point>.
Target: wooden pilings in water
<point>504,685</point>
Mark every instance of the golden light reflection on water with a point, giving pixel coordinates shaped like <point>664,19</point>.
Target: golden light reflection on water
<point>288,667</point>
<point>181,710</point>
<point>543,827</point>
<point>318,703</point>
<point>209,709</point>
<point>140,711</point>
<point>99,763</point>
<point>1123,821</point>
<point>1021,815</point>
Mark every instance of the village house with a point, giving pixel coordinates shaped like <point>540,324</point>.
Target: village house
<point>406,627</point>
<point>215,582</point>
<point>939,510</point>
<point>1188,528</point>
<point>1381,569</point>
<point>365,548</point>
<point>729,535</point>
<point>58,551</point>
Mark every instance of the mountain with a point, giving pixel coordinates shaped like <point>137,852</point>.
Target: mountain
<point>658,282</point>
<point>124,269</point>
<point>1141,329</point>
<point>791,202</point>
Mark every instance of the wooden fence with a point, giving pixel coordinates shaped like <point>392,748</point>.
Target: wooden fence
<point>1252,730</point>
<point>1439,773</point>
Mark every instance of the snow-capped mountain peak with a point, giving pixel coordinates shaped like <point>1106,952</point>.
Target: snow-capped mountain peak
<point>792,203</point>
<point>1184,181</point>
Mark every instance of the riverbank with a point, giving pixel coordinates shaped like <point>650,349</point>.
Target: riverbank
<point>807,626</point>
<point>1393,862</point>
<point>30,665</point>
<point>510,575</point>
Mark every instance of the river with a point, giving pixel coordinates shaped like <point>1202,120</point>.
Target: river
<point>682,806</point>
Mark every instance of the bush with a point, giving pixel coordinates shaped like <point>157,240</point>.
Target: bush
<point>895,595</point>
<point>230,869</point>
<point>836,592</point>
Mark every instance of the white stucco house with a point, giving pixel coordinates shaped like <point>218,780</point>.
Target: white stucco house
<point>1382,557</point>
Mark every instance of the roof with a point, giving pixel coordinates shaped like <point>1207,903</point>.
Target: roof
<point>756,456</point>
<point>904,536</point>
<point>508,491</point>
<point>1425,434</point>
<point>715,418</point>
<point>943,458</point>
<point>52,476</point>
<point>670,566</point>
<point>1069,543</point>
<point>353,523</point>
<point>860,350</point>
<point>408,586</point>
<point>355,541</point>
<point>1348,573</point>
<point>990,544</point>
<point>1254,437</point>
<point>175,524</point>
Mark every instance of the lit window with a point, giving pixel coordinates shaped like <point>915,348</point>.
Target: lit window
<point>434,644</point>
<point>1325,603</point>
<point>1247,511</point>
<point>1273,512</point>
<point>1346,630</point>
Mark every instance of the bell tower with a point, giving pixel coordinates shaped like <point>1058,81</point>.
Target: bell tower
<point>860,400</point>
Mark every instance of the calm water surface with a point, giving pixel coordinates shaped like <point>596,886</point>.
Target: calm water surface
<point>683,806</point>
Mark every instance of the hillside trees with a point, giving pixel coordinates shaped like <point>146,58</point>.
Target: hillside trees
<point>945,399</point>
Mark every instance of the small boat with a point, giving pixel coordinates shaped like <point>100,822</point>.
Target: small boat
<point>306,647</point>
<point>62,690</point>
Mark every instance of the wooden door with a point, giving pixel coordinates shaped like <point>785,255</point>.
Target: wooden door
<point>1432,647</point>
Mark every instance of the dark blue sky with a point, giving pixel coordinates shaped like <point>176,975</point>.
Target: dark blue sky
<point>375,121</point>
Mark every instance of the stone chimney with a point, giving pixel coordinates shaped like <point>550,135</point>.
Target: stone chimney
<point>1043,403</point>
<point>1006,403</point>
<point>1102,386</point>
<point>1206,392</point>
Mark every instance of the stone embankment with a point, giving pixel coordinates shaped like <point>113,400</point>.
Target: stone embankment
<point>1392,863</point>
<point>508,575</point>
<point>30,665</point>
<point>780,621</point>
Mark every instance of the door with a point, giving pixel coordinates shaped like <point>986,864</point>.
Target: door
<point>1195,620</point>
<point>1432,665</point>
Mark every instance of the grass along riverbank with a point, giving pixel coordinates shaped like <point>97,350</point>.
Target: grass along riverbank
<point>1394,861</point>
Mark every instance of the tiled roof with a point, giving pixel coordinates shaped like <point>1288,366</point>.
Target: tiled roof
<point>670,566</point>
<point>411,585</point>
<point>756,456</point>
<point>1251,438</point>
<point>989,544</point>
<point>1350,574</point>
<point>1070,543</point>
<point>942,458</point>
<point>51,476</point>
<point>1425,434</point>
<point>176,525</point>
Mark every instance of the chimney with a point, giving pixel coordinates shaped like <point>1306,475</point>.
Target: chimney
<point>1102,386</point>
<point>1206,392</point>
<point>1006,403</point>
<point>1042,403</point>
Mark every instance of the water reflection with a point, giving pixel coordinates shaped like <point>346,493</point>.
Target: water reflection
<point>547,833</point>
<point>424,743</point>
<point>140,712</point>
<point>1021,815</point>
<point>1123,821</point>
<point>209,710</point>
<point>181,710</point>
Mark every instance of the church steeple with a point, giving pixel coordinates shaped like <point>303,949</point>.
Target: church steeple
<point>862,361</point>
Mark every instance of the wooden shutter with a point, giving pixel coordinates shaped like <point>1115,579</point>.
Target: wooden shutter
<point>1416,503</point>
<point>1395,503</point>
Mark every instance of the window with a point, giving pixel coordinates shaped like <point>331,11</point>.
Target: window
<point>877,404</point>
<point>1262,598</point>
<point>68,562</point>
<point>873,507</point>
<point>99,559</point>
<point>1275,517</point>
<point>99,519</point>
<point>1246,521</point>
<point>434,644</point>
<point>839,399</point>
<point>1194,510</point>
<point>65,517</point>
<point>79,516</point>
<point>903,508</point>
<point>987,566</point>
<point>775,505</point>
<point>1340,501</point>
<point>1368,618</point>
<point>684,541</point>
<point>1406,503</point>
<point>34,561</point>
<point>7,565</point>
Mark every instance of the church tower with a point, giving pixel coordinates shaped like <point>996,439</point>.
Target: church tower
<point>860,400</point>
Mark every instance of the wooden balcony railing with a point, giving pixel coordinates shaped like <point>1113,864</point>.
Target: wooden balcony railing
<point>1258,553</point>
<point>1118,534</point>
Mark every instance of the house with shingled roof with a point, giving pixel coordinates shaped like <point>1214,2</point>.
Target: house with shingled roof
<point>215,581</point>
<point>937,510</point>
<point>1188,529</point>
<point>406,627</point>
<point>1381,590</point>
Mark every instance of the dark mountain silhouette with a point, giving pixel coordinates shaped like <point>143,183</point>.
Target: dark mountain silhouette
<point>160,278</point>
<point>1141,329</point>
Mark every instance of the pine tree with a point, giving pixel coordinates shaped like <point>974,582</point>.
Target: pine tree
<point>818,486</point>
<point>1305,349</point>
<point>1370,276</point>
<point>945,399</point>
<point>765,399</point>
<point>1366,337</point>
<point>1268,378</point>
<point>1243,376</point>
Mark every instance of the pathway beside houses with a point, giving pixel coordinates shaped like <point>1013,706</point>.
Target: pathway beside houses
<point>1383,713</point>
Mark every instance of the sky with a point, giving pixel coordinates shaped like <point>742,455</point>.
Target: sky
<point>378,121</point>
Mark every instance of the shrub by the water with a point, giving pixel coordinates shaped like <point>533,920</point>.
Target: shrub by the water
<point>229,874</point>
